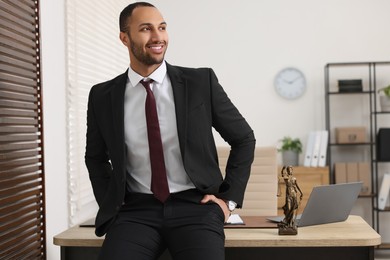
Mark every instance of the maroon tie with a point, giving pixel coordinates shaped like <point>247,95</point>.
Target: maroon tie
<point>159,185</point>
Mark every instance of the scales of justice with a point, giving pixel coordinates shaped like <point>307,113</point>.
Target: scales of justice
<point>293,200</point>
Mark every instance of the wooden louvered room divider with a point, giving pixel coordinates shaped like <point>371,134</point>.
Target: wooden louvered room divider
<point>22,205</point>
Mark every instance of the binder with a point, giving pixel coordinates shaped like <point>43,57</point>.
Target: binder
<point>384,191</point>
<point>316,149</point>
<point>309,149</point>
<point>323,148</point>
<point>383,140</point>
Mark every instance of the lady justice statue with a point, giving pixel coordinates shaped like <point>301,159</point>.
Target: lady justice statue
<point>292,202</point>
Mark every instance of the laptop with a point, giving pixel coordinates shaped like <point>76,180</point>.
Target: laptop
<point>327,204</point>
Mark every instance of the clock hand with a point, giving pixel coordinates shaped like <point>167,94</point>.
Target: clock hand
<point>295,79</point>
<point>291,81</point>
<point>288,81</point>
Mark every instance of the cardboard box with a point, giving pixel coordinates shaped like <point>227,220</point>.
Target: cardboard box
<point>340,172</point>
<point>365,176</point>
<point>354,172</point>
<point>350,135</point>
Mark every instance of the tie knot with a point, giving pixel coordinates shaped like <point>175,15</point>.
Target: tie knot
<point>146,83</point>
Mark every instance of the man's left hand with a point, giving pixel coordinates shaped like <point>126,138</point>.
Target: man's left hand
<point>208,197</point>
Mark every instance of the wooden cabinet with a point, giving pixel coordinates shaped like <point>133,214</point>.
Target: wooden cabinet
<point>307,178</point>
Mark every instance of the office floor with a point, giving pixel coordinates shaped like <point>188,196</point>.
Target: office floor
<point>383,254</point>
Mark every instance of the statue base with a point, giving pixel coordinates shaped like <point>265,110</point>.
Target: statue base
<point>286,230</point>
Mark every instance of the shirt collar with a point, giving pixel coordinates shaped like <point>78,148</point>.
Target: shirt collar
<point>157,76</point>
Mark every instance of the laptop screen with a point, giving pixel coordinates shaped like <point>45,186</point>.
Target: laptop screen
<point>327,204</point>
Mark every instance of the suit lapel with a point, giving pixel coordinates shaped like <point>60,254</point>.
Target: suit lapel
<point>118,103</point>
<point>179,89</point>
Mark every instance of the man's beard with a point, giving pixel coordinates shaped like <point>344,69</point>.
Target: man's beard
<point>143,57</point>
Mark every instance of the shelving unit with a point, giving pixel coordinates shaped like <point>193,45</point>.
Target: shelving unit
<point>358,109</point>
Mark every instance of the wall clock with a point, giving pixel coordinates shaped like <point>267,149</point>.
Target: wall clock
<point>290,83</point>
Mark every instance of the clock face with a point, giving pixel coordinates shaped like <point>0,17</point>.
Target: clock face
<point>290,83</point>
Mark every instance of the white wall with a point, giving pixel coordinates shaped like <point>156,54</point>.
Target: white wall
<point>53,86</point>
<point>246,43</point>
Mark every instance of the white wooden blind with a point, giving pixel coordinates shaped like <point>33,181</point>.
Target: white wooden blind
<point>94,54</point>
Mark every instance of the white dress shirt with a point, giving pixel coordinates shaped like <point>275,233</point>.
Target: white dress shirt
<point>136,138</point>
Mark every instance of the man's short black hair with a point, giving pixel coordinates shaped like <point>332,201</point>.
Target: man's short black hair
<point>127,12</point>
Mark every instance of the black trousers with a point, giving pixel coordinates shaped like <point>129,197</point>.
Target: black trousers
<point>145,228</point>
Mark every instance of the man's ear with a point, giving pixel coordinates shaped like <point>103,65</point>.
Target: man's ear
<point>124,38</point>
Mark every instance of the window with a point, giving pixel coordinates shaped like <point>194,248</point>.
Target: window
<point>94,54</point>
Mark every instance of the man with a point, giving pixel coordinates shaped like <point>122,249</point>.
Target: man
<point>183,211</point>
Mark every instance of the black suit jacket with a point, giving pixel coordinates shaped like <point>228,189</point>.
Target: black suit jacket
<point>201,104</point>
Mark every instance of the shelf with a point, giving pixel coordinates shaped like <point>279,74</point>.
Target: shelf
<point>384,246</point>
<point>362,63</point>
<point>387,209</point>
<point>349,93</point>
<point>381,112</point>
<point>365,196</point>
<point>352,144</point>
<point>380,161</point>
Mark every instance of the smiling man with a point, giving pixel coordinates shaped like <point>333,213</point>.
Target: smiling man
<point>144,34</point>
<point>151,154</point>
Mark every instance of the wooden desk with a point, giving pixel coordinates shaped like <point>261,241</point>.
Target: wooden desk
<point>351,239</point>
